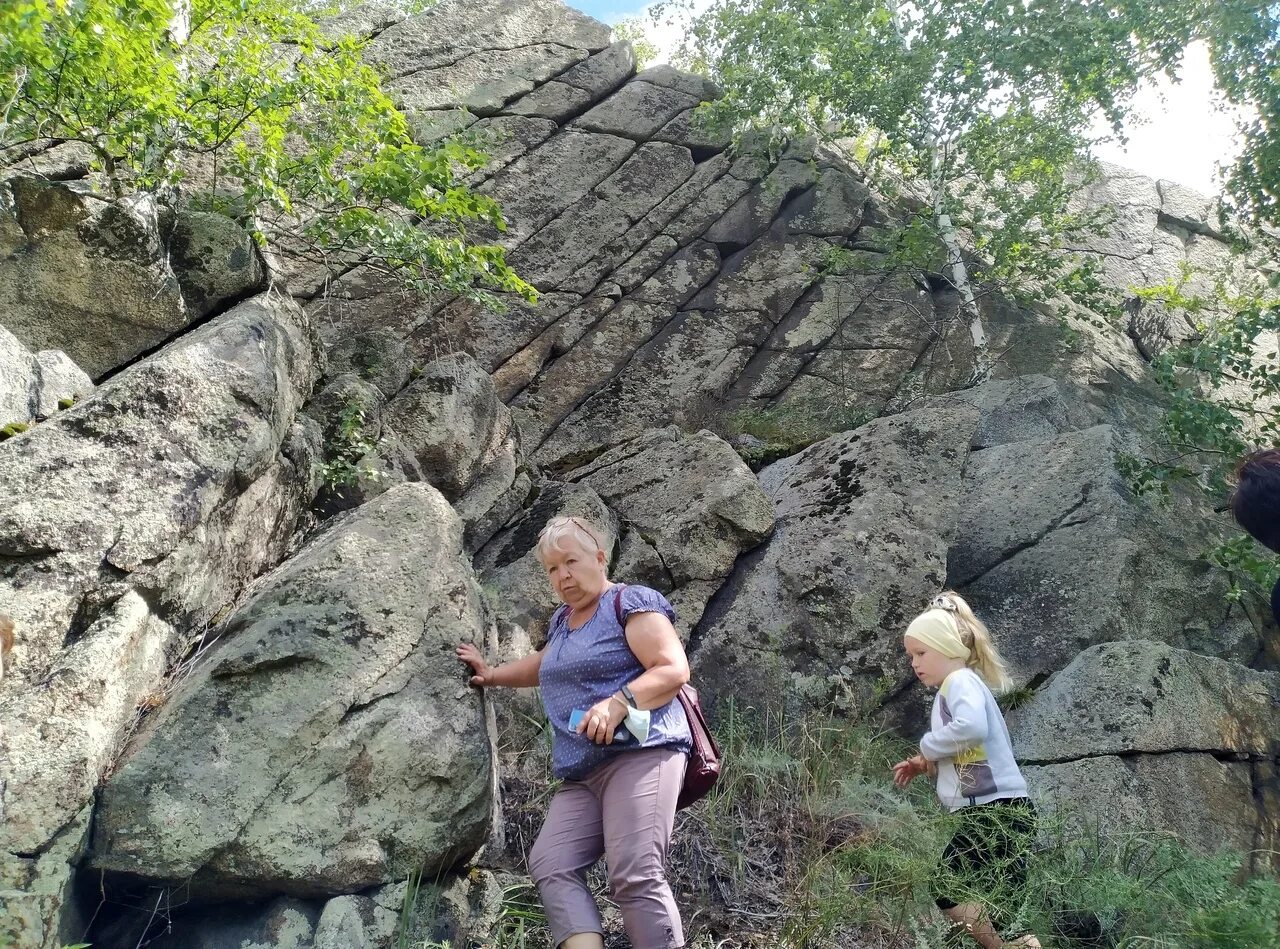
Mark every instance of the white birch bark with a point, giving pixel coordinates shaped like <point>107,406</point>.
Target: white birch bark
<point>947,231</point>
<point>955,261</point>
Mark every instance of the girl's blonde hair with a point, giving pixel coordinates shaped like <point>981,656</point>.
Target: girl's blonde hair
<point>984,658</point>
<point>576,530</point>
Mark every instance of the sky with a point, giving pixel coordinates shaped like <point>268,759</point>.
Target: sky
<point>1182,139</point>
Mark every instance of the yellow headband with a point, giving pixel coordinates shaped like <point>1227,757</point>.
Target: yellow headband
<point>938,630</point>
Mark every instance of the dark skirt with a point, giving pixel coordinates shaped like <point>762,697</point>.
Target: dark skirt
<point>987,860</point>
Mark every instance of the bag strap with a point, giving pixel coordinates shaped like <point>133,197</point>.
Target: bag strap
<point>617,607</point>
<point>704,742</point>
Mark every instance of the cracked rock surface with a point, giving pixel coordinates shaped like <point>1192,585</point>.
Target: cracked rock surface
<point>326,744</point>
<point>1138,734</point>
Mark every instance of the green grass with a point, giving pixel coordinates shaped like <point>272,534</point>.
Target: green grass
<point>786,429</point>
<point>807,824</point>
<point>804,842</point>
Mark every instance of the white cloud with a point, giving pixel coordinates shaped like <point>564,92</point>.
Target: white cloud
<point>1185,132</point>
<point>667,32</point>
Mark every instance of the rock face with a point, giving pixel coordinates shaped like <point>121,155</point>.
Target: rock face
<point>1136,733</point>
<point>863,524</point>
<point>683,535</point>
<point>682,285</point>
<point>1157,229</point>
<point>132,519</point>
<point>327,744</point>
<point>1058,556</point>
<point>105,281</point>
<point>446,427</point>
<point>459,437</point>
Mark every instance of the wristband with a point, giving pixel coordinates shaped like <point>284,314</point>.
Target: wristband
<point>629,696</point>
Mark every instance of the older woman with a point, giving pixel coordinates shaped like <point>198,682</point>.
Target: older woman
<point>621,780</point>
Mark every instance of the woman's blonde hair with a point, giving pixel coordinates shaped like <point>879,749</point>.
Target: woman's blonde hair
<point>984,658</point>
<point>577,530</point>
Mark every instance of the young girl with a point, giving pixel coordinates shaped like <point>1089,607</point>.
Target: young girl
<point>968,749</point>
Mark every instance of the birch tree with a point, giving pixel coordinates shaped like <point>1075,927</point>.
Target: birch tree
<point>293,123</point>
<point>992,106</point>
<point>986,105</point>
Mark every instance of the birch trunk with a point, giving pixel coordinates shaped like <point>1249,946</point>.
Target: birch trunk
<point>947,231</point>
<point>955,261</point>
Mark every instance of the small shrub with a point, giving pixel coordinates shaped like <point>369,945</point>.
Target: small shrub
<point>789,428</point>
<point>345,450</point>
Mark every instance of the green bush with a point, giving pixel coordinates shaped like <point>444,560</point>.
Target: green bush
<point>290,128</point>
<point>791,427</point>
<point>346,450</point>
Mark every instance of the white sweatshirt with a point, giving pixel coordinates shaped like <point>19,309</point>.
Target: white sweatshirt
<point>969,742</point>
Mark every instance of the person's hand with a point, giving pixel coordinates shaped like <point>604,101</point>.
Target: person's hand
<point>904,772</point>
<point>469,654</point>
<point>602,720</point>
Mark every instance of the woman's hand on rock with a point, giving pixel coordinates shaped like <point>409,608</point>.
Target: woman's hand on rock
<point>469,654</point>
<point>601,721</point>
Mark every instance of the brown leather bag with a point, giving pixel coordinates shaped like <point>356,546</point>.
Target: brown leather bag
<point>704,756</point>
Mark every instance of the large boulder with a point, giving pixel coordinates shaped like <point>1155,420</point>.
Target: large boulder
<point>448,427</point>
<point>329,742</point>
<point>47,158</point>
<point>1146,697</point>
<point>133,520</point>
<point>681,535</point>
<point>1139,734</point>
<point>452,422</point>
<point>107,280</point>
<point>864,520</point>
<point>1057,556</point>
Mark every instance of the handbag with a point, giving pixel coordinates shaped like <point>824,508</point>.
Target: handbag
<point>704,754</point>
